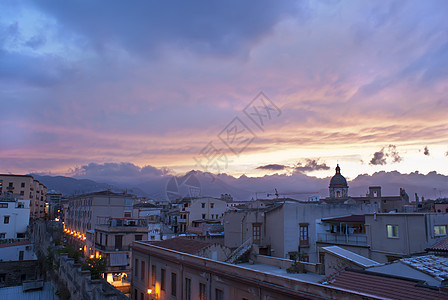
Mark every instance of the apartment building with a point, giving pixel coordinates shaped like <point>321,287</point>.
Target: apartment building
<point>14,217</point>
<point>203,208</point>
<point>184,270</point>
<point>82,212</point>
<point>113,237</point>
<point>383,237</point>
<point>25,187</point>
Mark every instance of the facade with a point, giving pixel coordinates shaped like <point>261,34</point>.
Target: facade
<point>25,187</point>
<point>383,237</point>
<point>82,212</point>
<point>203,208</point>
<point>17,251</point>
<point>286,230</point>
<point>394,236</point>
<point>113,237</point>
<point>14,218</point>
<point>164,273</point>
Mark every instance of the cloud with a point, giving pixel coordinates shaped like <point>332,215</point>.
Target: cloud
<point>273,167</point>
<point>426,151</point>
<point>209,27</point>
<point>380,157</point>
<point>310,165</point>
<point>118,172</point>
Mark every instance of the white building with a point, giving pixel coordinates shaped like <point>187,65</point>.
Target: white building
<point>14,217</point>
<point>17,251</point>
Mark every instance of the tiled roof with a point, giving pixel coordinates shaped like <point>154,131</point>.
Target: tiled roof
<point>441,246</point>
<point>432,265</point>
<point>379,285</point>
<point>181,244</point>
<point>21,243</point>
<point>347,219</point>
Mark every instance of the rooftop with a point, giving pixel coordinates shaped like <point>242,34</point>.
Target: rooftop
<point>441,246</point>
<point>386,286</point>
<point>432,265</point>
<point>346,219</point>
<point>181,244</point>
<point>353,257</point>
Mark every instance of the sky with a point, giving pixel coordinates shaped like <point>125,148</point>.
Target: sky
<point>236,87</point>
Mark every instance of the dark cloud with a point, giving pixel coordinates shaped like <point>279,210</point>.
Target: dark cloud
<point>36,41</point>
<point>116,172</point>
<point>310,165</point>
<point>380,157</point>
<point>393,153</point>
<point>204,26</point>
<point>273,167</point>
<point>426,151</point>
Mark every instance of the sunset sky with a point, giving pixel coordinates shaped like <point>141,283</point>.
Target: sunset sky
<point>167,84</point>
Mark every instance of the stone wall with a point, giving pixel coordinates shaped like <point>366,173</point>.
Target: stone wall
<point>15,272</point>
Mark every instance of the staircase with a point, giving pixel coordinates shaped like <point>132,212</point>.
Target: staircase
<point>240,251</point>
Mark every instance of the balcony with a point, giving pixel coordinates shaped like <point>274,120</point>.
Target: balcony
<point>342,239</point>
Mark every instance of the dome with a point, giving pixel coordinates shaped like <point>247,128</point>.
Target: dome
<point>338,180</point>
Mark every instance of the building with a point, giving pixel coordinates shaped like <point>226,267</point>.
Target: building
<point>179,271</point>
<point>399,235</point>
<point>18,263</point>
<point>14,218</point>
<point>284,230</point>
<point>25,187</point>
<point>203,208</point>
<point>54,200</point>
<point>383,237</point>
<point>113,237</point>
<point>82,211</point>
<point>338,193</point>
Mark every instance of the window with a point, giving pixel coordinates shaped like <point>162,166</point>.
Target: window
<point>21,235</point>
<point>212,205</point>
<point>3,205</point>
<point>203,216</point>
<point>127,214</point>
<point>6,220</point>
<point>2,235</point>
<point>440,229</point>
<point>22,193</point>
<point>187,289</point>
<point>173,284</point>
<point>22,184</point>
<point>142,271</point>
<point>303,234</point>
<point>21,255</point>
<point>256,232</point>
<point>105,244</point>
<point>219,294</point>
<point>142,297</point>
<point>153,275</point>
<point>138,237</point>
<point>136,267</point>
<point>11,184</point>
<point>162,280</point>
<point>392,231</point>
<point>118,242</point>
<point>2,277</point>
<point>202,291</point>
<point>202,205</point>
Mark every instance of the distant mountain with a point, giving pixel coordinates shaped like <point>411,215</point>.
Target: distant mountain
<point>298,186</point>
<point>70,186</point>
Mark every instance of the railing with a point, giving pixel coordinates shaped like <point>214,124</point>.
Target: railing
<point>240,251</point>
<point>351,239</point>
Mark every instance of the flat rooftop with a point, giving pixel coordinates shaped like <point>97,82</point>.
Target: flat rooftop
<point>273,270</point>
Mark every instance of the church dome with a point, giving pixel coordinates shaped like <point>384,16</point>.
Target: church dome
<point>338,180</point>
